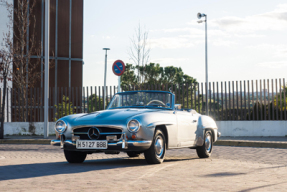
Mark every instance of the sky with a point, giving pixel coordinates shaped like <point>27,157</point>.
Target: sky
<point>247,39</point>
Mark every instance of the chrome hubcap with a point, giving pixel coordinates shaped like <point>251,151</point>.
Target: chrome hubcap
<point>159,146</point>
<point>208,143</point>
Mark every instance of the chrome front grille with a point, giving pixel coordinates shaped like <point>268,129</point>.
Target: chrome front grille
<point>83,132</point>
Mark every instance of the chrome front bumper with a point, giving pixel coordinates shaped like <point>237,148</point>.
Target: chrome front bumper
<point>123,144</point>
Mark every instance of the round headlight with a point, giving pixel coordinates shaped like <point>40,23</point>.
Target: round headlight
<point>61,126</point>
<point>133,126</point>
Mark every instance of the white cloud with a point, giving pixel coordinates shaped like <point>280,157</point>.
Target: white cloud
<point>274,65</point>
<point>170,42</point>
<point>274,20</point>
<point>225,31</point>
<point>108,37</point>
<point>169,61</point>
<point>275,50</point>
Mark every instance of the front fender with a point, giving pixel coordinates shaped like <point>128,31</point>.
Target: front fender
<point>205,123</point>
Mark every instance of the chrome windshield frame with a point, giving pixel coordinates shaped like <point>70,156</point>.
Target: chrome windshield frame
<point>132,92</point>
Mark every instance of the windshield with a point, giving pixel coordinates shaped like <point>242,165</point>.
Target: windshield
<point>142,100</point>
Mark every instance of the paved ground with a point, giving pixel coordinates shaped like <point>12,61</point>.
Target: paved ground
<point>43,168</point>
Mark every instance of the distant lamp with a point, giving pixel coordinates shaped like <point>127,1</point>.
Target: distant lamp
<point>199,15</point>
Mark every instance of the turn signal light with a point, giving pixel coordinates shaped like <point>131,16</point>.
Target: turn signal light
<point>134,136</point>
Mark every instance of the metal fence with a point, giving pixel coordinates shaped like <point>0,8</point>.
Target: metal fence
<point>232,100</point>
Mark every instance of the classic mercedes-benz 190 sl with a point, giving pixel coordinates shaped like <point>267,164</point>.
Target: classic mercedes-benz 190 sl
<point>136,122</point>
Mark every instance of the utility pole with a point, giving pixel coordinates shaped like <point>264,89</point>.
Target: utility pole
<point>46,95</point>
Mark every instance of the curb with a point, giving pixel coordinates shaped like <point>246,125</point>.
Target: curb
<point>243,143</point>
<point>25,141</point>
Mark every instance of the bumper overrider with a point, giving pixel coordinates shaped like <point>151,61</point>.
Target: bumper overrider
<point>122,145</point>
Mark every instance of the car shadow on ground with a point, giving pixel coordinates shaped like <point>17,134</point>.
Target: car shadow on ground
<point>23,171</point>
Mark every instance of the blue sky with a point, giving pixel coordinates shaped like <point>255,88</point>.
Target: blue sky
<point>247,39</point>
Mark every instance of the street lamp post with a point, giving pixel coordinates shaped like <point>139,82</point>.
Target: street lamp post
<point>105,80</point>
<point>199,16</point>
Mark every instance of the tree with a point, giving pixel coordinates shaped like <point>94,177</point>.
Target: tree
<point>95,105</point>
<point>64,108</point>
<point>5,72</point>
<point>129,76</point>
<point>139,52</point>
<point>155,74</point>
<point>19,45</point>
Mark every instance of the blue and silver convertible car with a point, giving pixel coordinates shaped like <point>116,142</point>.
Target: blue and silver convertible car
<point>136,122</point>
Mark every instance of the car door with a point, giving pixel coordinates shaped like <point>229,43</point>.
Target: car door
<point>187,126</point>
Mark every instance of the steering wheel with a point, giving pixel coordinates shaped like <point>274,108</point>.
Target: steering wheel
<point>156,101</point>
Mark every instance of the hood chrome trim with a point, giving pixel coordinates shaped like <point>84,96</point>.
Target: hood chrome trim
<point>109,126</point>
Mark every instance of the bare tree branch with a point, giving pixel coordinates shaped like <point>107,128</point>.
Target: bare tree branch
<point>139,52</point>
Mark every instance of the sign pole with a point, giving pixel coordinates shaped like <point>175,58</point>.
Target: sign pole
<point>119,84</point>
<point>105,80</point>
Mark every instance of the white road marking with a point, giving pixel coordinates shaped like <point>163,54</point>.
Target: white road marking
<point>152,171</point>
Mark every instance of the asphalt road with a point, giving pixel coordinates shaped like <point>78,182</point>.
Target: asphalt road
<point>43,168</point>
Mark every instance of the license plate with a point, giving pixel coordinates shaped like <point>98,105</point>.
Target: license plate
<point>88,144</point>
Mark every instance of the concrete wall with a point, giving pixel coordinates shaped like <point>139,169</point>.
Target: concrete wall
<point>252,128</point>
<point>227,128</point>
<point>25,128</point>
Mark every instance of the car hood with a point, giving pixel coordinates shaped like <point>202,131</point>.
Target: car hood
<point>113,114</point>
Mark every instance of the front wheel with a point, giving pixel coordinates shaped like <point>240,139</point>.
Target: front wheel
<point>155,154</point>
<point>75,156</point>
<point>205,150</point>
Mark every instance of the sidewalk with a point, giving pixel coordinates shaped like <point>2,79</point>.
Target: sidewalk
<point>269,142</point>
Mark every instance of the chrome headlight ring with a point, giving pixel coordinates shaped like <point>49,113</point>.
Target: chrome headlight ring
<point>133,126</point>
<point>61,126</point>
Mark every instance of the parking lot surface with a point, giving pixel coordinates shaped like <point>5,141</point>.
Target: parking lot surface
<point>44,168</point>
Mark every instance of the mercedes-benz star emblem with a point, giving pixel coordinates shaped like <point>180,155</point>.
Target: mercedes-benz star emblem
<point>94,133</point>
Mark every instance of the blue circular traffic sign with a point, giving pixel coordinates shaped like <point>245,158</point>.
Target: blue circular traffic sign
<point>119,67</point>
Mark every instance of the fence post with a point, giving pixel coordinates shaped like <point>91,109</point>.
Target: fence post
<point>88,110</point>
<point>264,100</point>
<point>272,101</point>
<point>280,95</point>
<point>226,115</point>
<point>257,112</point>
<point>96,97</point>
<point>202,98</point>
<point>245,116</point>
<point>241,99</point>
<point>261,111</point>
<point>222,102</point>
<point>198,98</point>
<point>284,89</point>
<point>276,95</point>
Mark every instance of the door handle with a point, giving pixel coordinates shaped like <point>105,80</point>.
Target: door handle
<point>194,121</point>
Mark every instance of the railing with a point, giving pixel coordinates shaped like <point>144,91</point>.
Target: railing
<point>232,100</point>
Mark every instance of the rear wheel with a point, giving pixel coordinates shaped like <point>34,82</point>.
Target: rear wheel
<point>205,150</point>
<point>155,154</point>
<point>75,156</point>
<point>133,154</point>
